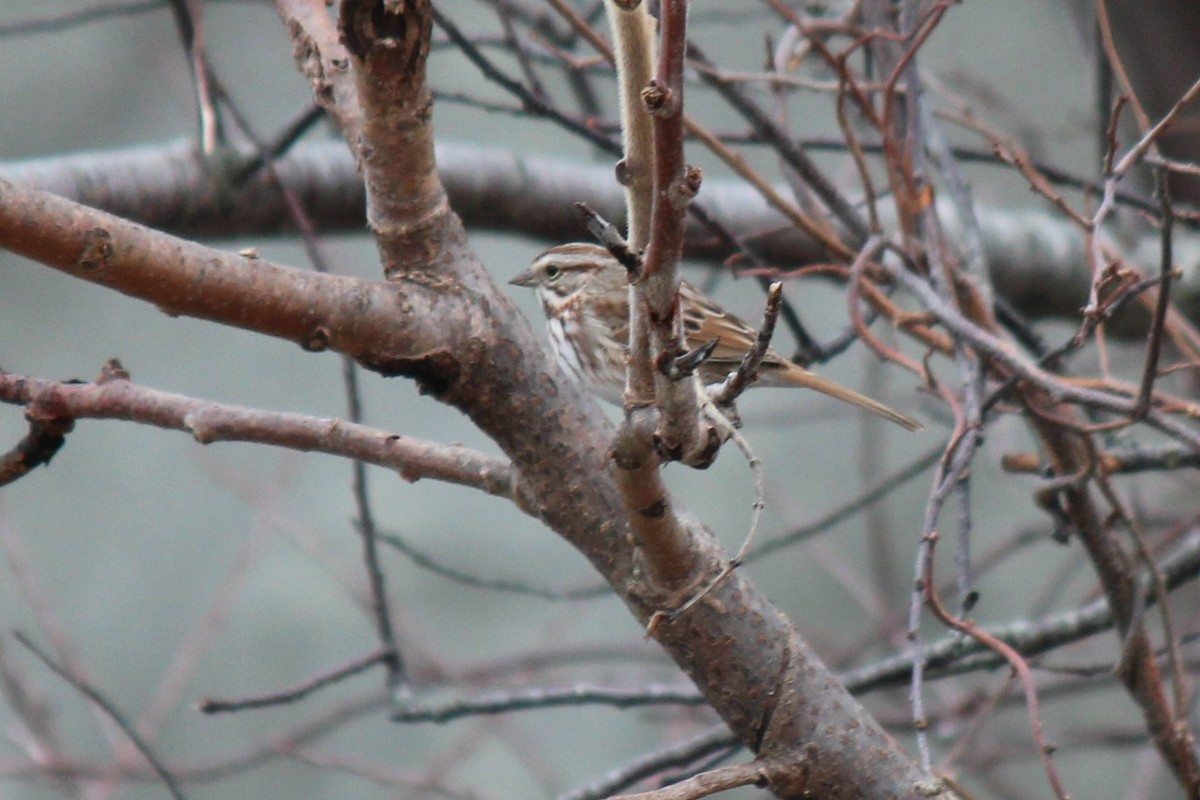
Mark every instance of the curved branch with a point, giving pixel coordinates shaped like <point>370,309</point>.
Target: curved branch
<point>413,459</point>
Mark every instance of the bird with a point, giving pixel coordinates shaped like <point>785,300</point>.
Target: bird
<point>584,293</point>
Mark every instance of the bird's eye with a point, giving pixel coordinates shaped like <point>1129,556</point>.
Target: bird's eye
<point>552,272</point>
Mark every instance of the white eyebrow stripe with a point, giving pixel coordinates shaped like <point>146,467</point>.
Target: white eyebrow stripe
<point>574,256</point>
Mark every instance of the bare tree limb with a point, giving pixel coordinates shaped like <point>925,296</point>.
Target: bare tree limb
<point>1034,257</point>
<point>413,459</point>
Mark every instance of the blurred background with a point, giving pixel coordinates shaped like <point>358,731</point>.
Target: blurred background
<point>168,572</point>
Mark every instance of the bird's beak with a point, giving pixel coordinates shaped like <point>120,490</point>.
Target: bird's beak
<point>526,278</point>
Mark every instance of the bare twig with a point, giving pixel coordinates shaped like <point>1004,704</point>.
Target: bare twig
<point>108,708</point>
<point>504,701</point>
<point>610,236</point>
<point>209,422</point>
<point>784,776</point>
<point>1019,665</point>
<point>189,20</point>
<point>1150,138</point>
<point>1166,271</point>
<point>913,469</point>
<point>530,100</point>
<point>426,561</point>
<point>381,656</point>
<point>740,380</point>
<point>682,754</point>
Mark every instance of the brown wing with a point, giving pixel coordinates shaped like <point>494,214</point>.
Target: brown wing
<point>704,320</point>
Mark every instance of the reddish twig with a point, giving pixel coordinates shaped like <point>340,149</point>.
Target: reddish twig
<point>1019,666</point>
<point>1166,271</point>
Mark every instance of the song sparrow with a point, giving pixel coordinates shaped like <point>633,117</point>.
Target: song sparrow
<point>584,294</point>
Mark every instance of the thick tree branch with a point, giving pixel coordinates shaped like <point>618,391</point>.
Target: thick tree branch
<point>407,207</point>
<point>1035,257</point>
<point>384,326</point>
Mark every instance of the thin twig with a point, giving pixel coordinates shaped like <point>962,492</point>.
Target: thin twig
<point>856,505</point>
<point>73,19</point>
<point>530,100</point>
<point>108,708</point>
<point>46,436</point>
<point>1166,271</point>
<point>740,380</point>
<point>1019,665</point>
<point>1151,136</point>
<point>288,696</point>
<point>791,152</point>
<point>504,701</point>
<point>189,22</point>
<point>682,754</point>
<point>425,561</point>
<point>726,429</point>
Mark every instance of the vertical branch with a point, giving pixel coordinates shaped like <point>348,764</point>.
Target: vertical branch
<point>633,44</point>
<point>656,327</point>
<point>323,60</point>
<point>189,22</point>
<point>674,186</point>
<point>681,427</point>
<point>1163,303</point>
<point>671,556</point>
<point>406,202</point>
<point>108,708</point>
<point>906,139</point>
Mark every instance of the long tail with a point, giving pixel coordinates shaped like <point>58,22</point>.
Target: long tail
<point>810,380</point>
